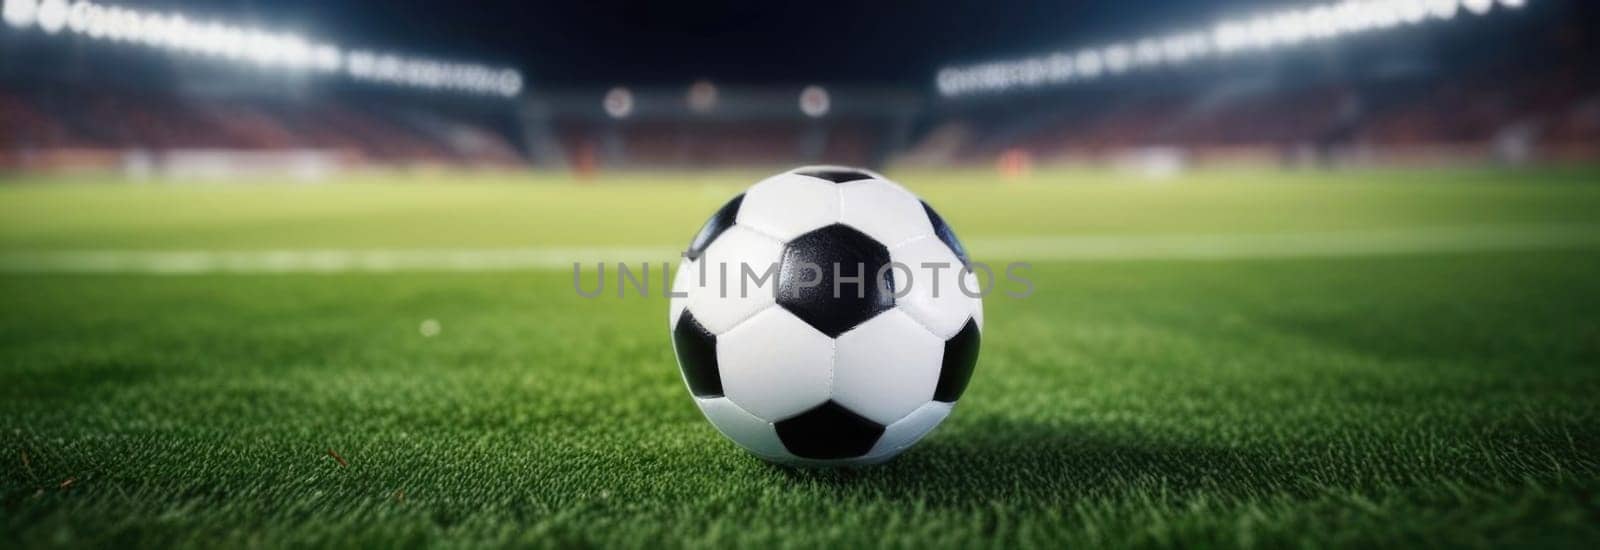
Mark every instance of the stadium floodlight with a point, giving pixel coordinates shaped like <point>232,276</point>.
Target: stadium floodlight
<point>119,24</point>
<point>79,16</point>
<point>1179,48</point>
<point>1271,30</point>
<point>1229,37</point>
<point>1033,72</point>
<point>1059,67</point>
<point>430,74</point>
<point>52,15</point>
<point>150,29</point>
<point>954,82</point>
<point>1383,14</point>
<point>1088,63</point>
<point>1413,12</point>
<point>281,50</point>
<point>1147,52</point>
<point>1346,18</point>
<point>1443,9</point>
<point>1117,58</point>
<point>814,101</point>
<point>1263,32</point>
<point>89,19</point>
<point>326,57</point>
<point>618,102</point>
<point>21,13</point>
<point>702,96</point>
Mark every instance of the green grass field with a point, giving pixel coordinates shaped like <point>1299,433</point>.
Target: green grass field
<point>1229,359</point>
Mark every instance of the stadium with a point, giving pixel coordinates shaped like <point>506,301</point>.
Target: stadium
<point>1316,273</point>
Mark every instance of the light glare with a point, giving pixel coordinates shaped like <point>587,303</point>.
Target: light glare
<point>1234,36</point>
<point>618,102</point>
<point>21,13</point>
<point>814,101</point>
<point>1088,64</point>
<point>1444,9</point>
<point>52,15</point>
<point>259,47</point>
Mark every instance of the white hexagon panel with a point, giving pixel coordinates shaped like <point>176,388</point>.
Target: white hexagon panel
<point>786,205</point>
<point>755,434</point>
<point>887,367</point>
<point>774,365</point>
<point>883,210</point>
<point>910,429</point>
<point>731,281</point>
<point>934,295</point>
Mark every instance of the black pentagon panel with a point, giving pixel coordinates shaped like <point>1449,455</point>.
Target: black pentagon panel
<point>960,356</point>
<point>836,175</point>
<point>946,235</point>
<point>828,431</point>
<point>714,227</point>
<point>809,293</point>
<point>697,356</point>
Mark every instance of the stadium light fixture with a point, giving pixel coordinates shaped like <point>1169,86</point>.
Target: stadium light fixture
<point>618,102</point>
<point>1443,9</point>
<point>20,14</point>
<point>814,101</point>
<point>52,15</point>
<point>1117,58</point>
<point>1413,12</point>
<point>1088,64</point>
<point>702,96</point>
<point>285,51</point>
<point>1264,32</point>
<point>1148,52</point>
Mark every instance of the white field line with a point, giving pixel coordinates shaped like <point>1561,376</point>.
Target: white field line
<point>1294,245</point>
<point>990,250</point>
<point>325,261</point>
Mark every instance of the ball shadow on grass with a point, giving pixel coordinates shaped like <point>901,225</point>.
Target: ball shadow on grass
<point>1007,459</point>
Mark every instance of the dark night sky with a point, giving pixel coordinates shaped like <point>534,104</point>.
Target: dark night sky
<point>601,42</point>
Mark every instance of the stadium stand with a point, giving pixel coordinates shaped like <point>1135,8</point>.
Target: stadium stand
<point>1462,115</point>
<point>1475,104</point>
<point>38,128</point>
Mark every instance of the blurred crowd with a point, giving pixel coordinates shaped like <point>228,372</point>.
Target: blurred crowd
<point>1552,115</point>
<point>45,127</point>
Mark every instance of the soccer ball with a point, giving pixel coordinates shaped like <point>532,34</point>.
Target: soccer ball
<point>814,324</point>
